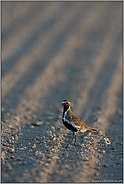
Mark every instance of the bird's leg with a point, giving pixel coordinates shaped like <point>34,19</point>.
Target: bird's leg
<point>72,137</point>
<point>75,137</point>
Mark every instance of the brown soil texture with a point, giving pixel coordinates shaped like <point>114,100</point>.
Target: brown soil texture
<point>53,51</point>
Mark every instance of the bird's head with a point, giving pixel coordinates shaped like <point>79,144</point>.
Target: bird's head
<point>66,104</point>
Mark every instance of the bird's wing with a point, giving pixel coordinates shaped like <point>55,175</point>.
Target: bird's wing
<point>74,119</point>
<point>77,122</point>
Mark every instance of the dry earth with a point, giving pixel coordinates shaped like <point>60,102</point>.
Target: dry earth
<point>53,51</point>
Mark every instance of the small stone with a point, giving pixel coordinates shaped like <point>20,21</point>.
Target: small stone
<point>16,137</point>
<point>96,174</point>
<point>19,159</point>
<point>66,166</point>
<point>50,132</point>
<point>17,118</point>
<point>36,153</point>
<point>11,150</point>
<point>50,117</point>
<point>20,133</point>
<point>54,138</point>
<point>98,120</point>
<point>23,174</point>
<point>107,141</point>
<point>9,141</point>
<point>100,132</point>
<point>55,157</point>
<point>89,134</point>
<point>85,137</point>
<point>34,146</point>
<point>53,128</point>
<point>12,157</point>
<point>37,123</point>
<point>21,149</point>
<point>2,158</point>
<point>46,164</point>
<point>49,160</point>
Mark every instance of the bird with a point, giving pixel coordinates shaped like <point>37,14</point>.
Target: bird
<point>72,122</point>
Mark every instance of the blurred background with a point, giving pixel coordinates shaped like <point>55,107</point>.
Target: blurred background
<point>62,50</point>
<point>57,50</point>
<point>53,51</point>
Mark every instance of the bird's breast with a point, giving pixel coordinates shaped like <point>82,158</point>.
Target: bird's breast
<point>69,125</point>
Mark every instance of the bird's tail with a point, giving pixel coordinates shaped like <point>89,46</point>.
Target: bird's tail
<point>91,129</point>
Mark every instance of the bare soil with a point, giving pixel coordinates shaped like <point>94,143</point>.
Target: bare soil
<point>53,51</point>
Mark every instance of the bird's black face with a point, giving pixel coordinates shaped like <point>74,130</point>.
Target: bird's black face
<point>65,104</point>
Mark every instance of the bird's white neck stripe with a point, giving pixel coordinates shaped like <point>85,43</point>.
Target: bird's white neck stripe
<point>65,113</point>
<point>69,121</point>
